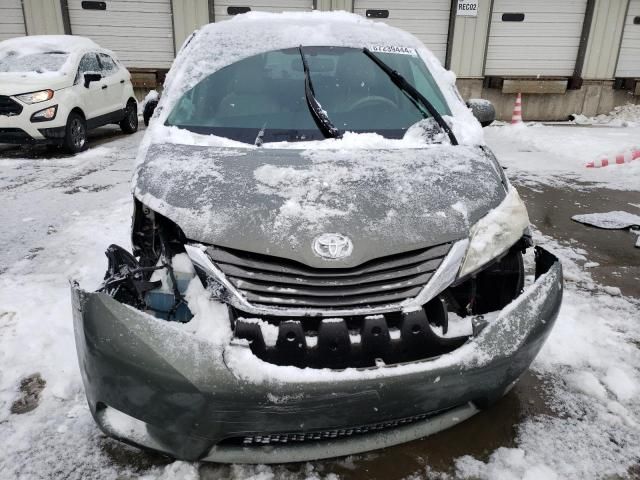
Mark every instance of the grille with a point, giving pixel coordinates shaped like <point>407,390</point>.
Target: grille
<point>9,107</point>
<point>257,440</point>
<point>272,281</point>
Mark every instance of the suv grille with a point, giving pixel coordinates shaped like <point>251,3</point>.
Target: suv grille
<point>273,281</point>
<point>9,107</point>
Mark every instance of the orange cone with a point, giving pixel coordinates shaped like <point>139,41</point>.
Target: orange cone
<point>517,111</point>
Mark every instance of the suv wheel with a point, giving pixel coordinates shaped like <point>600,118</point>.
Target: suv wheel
<point>129,124</point>
<point>75,138</point>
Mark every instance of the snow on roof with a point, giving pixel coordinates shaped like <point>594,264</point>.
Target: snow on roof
<point>217,45</point>
<point>47,43</point>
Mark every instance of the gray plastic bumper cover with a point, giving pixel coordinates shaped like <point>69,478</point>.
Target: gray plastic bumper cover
<point>160,388</point>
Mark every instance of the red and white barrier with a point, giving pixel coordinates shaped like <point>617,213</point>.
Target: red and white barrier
<point>624,157</point>
<point>516,117</point>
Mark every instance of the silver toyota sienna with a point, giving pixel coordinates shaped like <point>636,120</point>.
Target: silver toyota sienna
<point>326,257</point>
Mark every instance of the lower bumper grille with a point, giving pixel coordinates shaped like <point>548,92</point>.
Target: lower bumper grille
<point>271,281</point>
<point>258,440</point>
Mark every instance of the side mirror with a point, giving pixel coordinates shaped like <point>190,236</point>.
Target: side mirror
<point>483,110</point>
<point>91,77</point>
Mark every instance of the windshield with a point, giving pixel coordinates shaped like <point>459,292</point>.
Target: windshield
<point>265,94</point>
<point>34,62</point>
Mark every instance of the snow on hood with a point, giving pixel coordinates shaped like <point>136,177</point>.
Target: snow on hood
<point>217,45</point>
<point>12,83</point>
<point>276,201</point>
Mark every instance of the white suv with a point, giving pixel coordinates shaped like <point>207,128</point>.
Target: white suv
<point>53,88</point>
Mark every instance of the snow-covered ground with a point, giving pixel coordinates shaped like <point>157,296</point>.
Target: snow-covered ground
<point>60,214</point>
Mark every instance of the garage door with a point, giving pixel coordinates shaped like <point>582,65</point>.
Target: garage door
<point>629,60</point>
<point>11,19</point>
<point>538,37</point>
<point>226,9</point>
<point>140,32</point>
<point>427,20</point>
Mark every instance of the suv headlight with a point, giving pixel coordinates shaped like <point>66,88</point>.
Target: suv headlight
<point>496,232</point>
<point>36,97</point>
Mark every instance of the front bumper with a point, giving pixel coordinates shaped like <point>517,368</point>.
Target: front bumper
<point>153,385</point>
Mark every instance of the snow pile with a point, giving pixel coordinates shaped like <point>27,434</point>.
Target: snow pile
<point>557,155</point>
<point>621,116</point>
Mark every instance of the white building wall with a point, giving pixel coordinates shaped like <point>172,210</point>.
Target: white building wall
<point>629,60</point>
<point>11,19</point>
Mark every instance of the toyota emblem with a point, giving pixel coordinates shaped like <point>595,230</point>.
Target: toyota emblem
<point>333,246</point>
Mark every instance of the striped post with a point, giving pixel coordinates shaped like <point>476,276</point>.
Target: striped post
<point>622,157</point>
<point>517,111</point>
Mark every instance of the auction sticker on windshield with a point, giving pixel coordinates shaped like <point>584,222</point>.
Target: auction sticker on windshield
<point>393,49</point>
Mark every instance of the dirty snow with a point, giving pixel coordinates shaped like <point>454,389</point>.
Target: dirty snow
<point>609,220</point>
<point>77,206</point>
<point>621,116</point>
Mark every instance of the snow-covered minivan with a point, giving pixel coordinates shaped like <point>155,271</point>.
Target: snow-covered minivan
<point>53,88</point>
<point>327,258</point>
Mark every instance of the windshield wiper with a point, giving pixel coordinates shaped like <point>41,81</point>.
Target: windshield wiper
<point>319,115</point>
<point>400,82</point>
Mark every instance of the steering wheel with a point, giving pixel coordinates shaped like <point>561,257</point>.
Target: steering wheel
<point>372,99</point>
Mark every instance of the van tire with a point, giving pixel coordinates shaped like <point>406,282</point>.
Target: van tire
<point>75,135</point>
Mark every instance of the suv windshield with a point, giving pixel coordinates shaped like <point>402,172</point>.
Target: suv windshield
<point>34,62</point>
<point>265,94</point>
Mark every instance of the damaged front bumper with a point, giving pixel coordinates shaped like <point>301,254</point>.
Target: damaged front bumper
<point>156,386</point>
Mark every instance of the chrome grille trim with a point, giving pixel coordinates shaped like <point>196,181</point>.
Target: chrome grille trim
<point>268,280</point>
<point>222,288</point>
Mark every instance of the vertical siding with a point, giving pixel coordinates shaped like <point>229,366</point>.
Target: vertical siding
<point>43,17</point>
<point>261,5</point>
<point>604,39</point>
<point>470,41</point>
<point>342,5</point>
<point>11,19</point>
<point>427,20</point>
<point>140,32</point>
<point>545,43</point>
<point>629,61</point>
<point>188,15</point>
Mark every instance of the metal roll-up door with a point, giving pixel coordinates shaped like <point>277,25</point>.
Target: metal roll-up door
<point>140,32</point>
<point>629,59</point>
<point>538,37</point>
<point>427,20</point>
<point>11,19</point>
<point>226,9</point>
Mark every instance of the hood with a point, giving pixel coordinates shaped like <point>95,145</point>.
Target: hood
<point>276,202</point>
<point>15,83</point>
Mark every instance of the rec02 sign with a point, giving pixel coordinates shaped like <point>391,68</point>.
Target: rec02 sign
<point>467,8</point>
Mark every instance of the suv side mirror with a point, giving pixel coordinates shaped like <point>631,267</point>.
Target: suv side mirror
<point>91,77</point>
<point>483,110</point>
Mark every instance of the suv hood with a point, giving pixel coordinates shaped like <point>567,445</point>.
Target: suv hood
<point>276,202</point>
<point>16,83</point>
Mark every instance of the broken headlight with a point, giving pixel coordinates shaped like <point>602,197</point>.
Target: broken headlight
<point>495,233</point>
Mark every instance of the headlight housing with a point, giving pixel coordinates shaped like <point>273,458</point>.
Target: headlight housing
<point>496,232</point>
<point>45,115</point>
<point>36,97</point>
